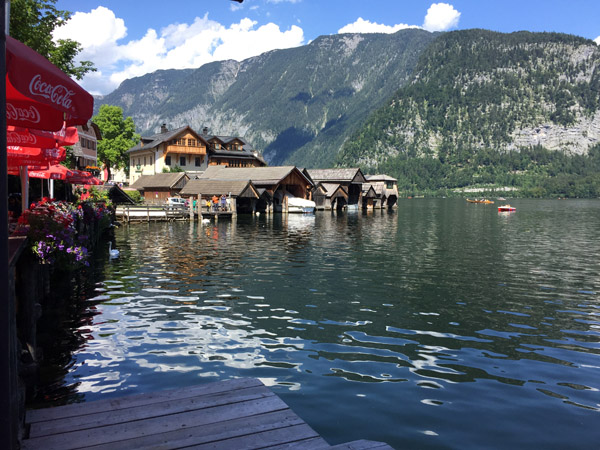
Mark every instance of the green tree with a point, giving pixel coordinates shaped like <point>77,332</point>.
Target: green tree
<point>33,21</point>
<point>118,136</point>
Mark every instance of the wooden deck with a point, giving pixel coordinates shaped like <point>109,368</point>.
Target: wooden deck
<point>137,213</point>
<point>234,414</point>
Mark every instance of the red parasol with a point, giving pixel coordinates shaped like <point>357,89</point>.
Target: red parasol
<point>79,177</point>
<point>38,94</point>
<point>39,138</point>
<point>31,156</point>
<point>54,172</point>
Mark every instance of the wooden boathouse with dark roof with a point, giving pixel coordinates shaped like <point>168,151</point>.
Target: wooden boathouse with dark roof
<point>369,196</point>
<point>277,181</point>
<point>351,179</point>
<point>330,196</point>
<point>242,195</point>
<point>157,188</point>
<point>386,189</point>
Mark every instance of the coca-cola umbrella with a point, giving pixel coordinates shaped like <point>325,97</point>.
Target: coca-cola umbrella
<point>53,172</point>
<point>39,95</point>
<point>25,137</point>
<point>31,156</point>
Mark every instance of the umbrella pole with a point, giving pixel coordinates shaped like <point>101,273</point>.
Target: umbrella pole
<point>24,175</point>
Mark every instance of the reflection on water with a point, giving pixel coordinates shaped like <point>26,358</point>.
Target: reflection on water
<point>443,324</point>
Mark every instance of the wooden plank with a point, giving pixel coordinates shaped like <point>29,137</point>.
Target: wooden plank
<point>158,409</point>
<point>312,444</point>
<point>130,430</point>
<point>291,435</point>
<point>362,445</point>
<point>208,433</point>
<point>130,401</point>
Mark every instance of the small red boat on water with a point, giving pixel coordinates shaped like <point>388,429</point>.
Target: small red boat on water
<point>506,208</point>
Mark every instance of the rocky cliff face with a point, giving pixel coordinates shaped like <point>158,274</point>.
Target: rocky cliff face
<point>477,89</point>
<point>577,138</point>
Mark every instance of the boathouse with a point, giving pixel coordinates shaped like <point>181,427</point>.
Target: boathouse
<point>350,179</point>
<point>242,195</point>
<point>330,196</point>
<point>155,189</point>
<point>274,184</point>
<point>368,196</point>
<point>386,190</point>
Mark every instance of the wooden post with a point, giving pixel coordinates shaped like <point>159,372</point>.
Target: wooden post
<point>199,207</point>
<point>191,208</point>
<point>148,213</point>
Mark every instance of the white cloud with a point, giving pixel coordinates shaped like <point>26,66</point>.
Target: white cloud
<point>597,40</point>
<point>364,26</point>
<point>176,46</point>
<point>441,17</point>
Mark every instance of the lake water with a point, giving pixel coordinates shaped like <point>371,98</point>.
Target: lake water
<point>440,325</point>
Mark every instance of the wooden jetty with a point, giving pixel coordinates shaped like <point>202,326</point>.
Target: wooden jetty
<point>235,414</point>
<point>127,213</point>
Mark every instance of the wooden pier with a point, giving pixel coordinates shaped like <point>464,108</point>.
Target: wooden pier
<point>138,213</point>
<point>235,414</point>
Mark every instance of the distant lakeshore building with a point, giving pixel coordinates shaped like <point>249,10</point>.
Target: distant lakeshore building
<point>85,150</point>
<point>189,151</point>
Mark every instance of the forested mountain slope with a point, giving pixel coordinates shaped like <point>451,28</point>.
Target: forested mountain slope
<point>476,97</point>
<point>298,105</point>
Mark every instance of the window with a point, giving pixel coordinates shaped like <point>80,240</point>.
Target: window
<point>182,160</point>
<point>216,146</point>
<point>197,161</point>
<point>168,160</point>
<point>144,160</point>
<point>389,185</point>
<point>191,142</point>
<point>139,162</point>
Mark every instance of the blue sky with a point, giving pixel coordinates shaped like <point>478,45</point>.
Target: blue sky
<point>126,38</point>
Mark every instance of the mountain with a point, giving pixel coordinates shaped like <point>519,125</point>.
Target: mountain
<point>487,107</point>
<point>297,105</point>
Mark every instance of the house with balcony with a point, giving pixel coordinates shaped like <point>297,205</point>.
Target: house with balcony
<point>183,149</point>
<point>84,151</point>
<point>231,151</point>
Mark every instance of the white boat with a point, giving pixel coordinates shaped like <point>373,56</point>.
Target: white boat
<point>300,205</point>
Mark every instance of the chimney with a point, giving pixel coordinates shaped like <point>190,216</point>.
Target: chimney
<point>205,131</point>
<point>163,128</point>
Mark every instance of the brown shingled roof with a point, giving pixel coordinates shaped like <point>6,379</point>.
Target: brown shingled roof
<point>338,175</point>
<point>237,188</point>
<point>160,180</point>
